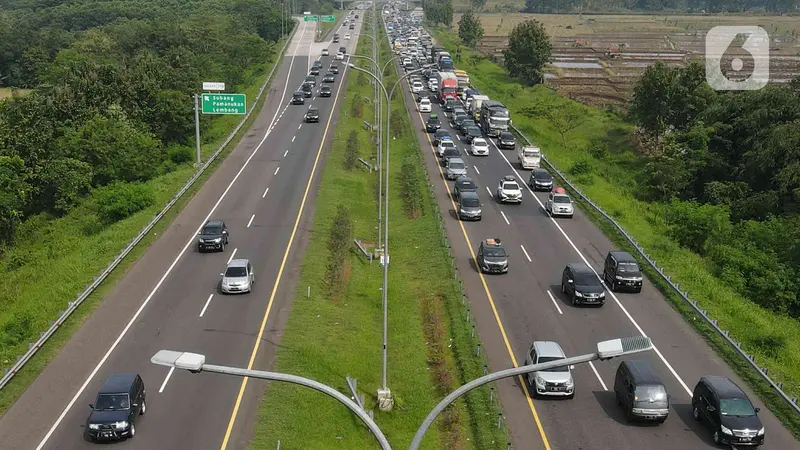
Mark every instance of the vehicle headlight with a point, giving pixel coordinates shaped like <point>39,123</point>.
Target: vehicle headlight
<point>570,383</point>
<point>539,382</point>
<point>602,295</point>
<point>94,426</point>
<point>121,424</point>
<point>761,431</point>
<point>217,240</point>
<point>618,277</point>
<point>638,279</point>
<point>578,294</point>
<point>199,240</point>
<point>725,429</point>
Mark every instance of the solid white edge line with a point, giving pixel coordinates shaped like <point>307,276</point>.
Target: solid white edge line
<point>233,253</point>
<point>597,374</point>
<point>476,170</point>
<point>163,277</point>
<point>166,379</point>
<point>208,302</point>
<point>583,258</point>
<point>526,253</point>
<point>250,222</point>
<point>505,218</point>
<point>265,193</point>
<point>276,171</point>
<point>555,303</point>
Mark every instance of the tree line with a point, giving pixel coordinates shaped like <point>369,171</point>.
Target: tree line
<point>112,85</point>
<point>691,6</point>
<point>727,167</point>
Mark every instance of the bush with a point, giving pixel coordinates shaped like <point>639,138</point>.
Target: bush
<point>351,152</point>
<point>598,148</point>
<point>121,200</point>
<point>339,242</point>
<point>181,154</point>
<point>582,167</point>
<point>692,225</point>
<point>357,106</point>
<point>410,181</point>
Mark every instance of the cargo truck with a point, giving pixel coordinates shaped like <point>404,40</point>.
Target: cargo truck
<point>463,80</point>
<point>435,53</point>
<point>530,157</point>
<point>495,118</point>
<point>446,65</point>
<point>448,83</point>
<point>474,107</point>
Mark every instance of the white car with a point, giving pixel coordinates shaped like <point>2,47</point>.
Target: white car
<point>425,106</point>
<point>417,87</point>
<point>325,52</point>
<point>479,147</point>
<point>347,36</point>
<point>444,145</point>
<point>508,190</point>
<point>559,205</point>
<point>340,56</point>
<point>432,86</point>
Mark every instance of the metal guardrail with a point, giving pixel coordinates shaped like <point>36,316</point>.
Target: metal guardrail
<point>34,347</point>
<point>724,334</point>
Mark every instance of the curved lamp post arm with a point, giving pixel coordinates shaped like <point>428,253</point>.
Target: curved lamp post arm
<point>605,350</point>
<point>374,63</point>
<point>195,363</point>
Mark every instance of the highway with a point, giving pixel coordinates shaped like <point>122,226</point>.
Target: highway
<point>264,190</point>
<point>513,310</point>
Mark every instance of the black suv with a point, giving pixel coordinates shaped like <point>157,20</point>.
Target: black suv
<point>343,50</point>
<point>621,271</point>
<point>506,140</point>
<point>311,80</point>
<point>492,257</point>
<point>312,115</point>
<point>456,119</point>
<point>472,133</point>
<point>540,180</point>
<point>724,407</point>
<point>298,98</point>
<point>433,123</point>
<point>463,184</point>
<point>325,91</point>
<point>307,90</point>
<point>579,282</point>
<point>213,236</point>
<point>449,104</point>
<point>120,402</point>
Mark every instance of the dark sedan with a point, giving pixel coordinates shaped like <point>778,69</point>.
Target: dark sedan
<point>325,91</point>
<point>329,78</point>
<point>541,180</point>
<point>506,141</point>
<point>472,133</point>
<point>312,115</point>
<point>433,124</point>
<point>334,68</point>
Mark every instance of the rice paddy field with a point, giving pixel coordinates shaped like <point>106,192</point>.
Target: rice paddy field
<point>598,58</point>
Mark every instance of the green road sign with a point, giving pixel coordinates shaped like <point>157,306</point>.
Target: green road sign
<point>224,104</point>
<point>310,18</point>
<point>328,19</point>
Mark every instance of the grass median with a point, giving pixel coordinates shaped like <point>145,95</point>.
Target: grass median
<point>53,260</point>
<point>608,178</point>
<point>336,330</point>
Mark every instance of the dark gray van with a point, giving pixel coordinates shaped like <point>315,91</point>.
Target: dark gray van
<point>640,392</point>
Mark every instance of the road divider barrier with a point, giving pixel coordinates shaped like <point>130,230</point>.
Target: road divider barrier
<point>10,372</point>
<point>684,295</point>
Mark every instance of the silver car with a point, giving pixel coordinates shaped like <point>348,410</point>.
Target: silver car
<point>551,382</point>
<point>456,167</point>
<point>238,277</point>
<point>559,205</point>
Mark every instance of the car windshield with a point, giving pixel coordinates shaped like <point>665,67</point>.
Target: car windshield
<point>479,143</point>
<point>586,279</point>
<point>510,186</point>
<point>736,407</point>
<point>629,266</point>
<point>313,111</point>
<point>545,359</point>
<point>456,165</point>
<point>471,202</point>
<point>467,186</point>
<point>494,252</point>
<point>651,394</point>
<point>474,131</point>
<point>235,272</point>
<point>542,176</point>
<point>561,199</point>
<point>447,144</point>
<point>507,136</point>
<point>112,402</point>
<point>531,153</point>
<point>213,229</point>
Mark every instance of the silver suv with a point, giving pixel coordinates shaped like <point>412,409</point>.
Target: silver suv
<point>238,277</point>
<point>456,167</point>
<point>551,382</point>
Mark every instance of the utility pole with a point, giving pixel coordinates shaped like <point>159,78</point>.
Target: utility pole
<point>197,126</point>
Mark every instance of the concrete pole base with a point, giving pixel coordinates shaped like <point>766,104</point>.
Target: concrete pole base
<point>385,400</point>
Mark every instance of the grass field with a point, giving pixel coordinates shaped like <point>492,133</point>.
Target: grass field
<point>347,331</point>
<point>53,260</point>
<point>9,92</point>
<point>610,184</point>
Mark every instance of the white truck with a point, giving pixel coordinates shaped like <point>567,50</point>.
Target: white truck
<point>530,157</point>
<point>474,107</point>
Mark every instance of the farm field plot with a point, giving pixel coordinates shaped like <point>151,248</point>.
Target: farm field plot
<point>597,59</point>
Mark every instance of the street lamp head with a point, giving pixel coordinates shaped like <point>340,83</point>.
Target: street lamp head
<point>192,362</point>
<point>351,65</point>
<point>623,346</point>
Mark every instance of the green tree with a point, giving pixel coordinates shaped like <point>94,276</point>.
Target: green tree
<point>562,114</point>
<point>477,4</point>
<point>650,106</point>
<point>529,49</point>
<point>470,29</point>
<point>438,12</point>
<point>13,190</point>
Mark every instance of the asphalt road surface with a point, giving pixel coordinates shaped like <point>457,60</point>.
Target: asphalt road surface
<point>170,298</point>
<point>525,305</point>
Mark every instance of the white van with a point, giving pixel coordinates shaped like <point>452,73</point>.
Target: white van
<point>530,157</point>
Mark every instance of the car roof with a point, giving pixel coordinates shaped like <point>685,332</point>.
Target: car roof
<point>643,372</point>
<point>238,263</point>
<point>548,349</point>
<point>469,194</point>
<point>622,256</point>
<point>540,170</point>
<point>723,386</point>
<point>580,268</point>
<point>464,179</point>
<point>509,178</point>
<point>452,160</point>
<point>480,139</point>
<point>118,383</point>
<point>506,134</point>
<point>214,223</point>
